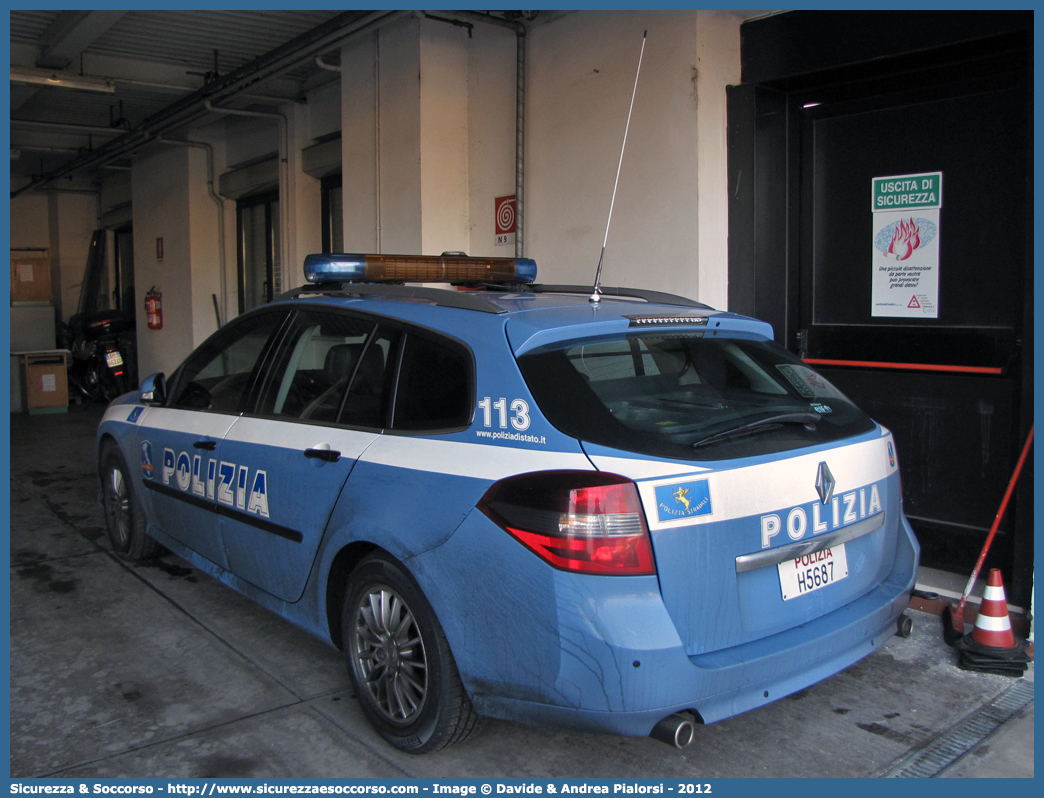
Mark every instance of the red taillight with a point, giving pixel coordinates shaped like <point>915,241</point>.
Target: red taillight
<point>582,521</point>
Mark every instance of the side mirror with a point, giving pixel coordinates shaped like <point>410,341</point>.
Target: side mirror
<point>153,390</point>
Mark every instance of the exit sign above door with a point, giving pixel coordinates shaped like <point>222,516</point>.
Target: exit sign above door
<point>907,192</point>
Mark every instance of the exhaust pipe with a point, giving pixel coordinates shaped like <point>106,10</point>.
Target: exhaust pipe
<point>677,730</point>
<point>904,625</point>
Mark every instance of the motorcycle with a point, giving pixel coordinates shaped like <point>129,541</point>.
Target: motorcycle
<point>100,364</point>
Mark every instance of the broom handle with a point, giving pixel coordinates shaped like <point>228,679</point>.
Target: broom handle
<point>996,522</point>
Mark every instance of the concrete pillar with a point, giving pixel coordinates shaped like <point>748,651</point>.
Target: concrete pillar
<point>159,187</point>
<point>404,106</point>
<point>171,202</point>
<point>717,66</point>
<point>305,234</point>
<point>204,260</point>
<point>360,120</point>
<point>444,138</point>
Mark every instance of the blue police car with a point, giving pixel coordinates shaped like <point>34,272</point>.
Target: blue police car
<point>623,512</point>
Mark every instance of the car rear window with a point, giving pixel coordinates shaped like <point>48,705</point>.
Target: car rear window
<point>687,396</point>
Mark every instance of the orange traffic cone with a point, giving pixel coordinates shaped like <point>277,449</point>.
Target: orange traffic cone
<point>993,626</point>
<point>991,647</point>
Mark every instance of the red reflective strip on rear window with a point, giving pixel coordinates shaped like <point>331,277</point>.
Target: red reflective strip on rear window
<point>873,364</point>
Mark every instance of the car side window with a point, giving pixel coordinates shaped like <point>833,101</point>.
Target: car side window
<point>367,401</point>
<point>219,375</point>
<point>315,365</point>
<point>435,386</point>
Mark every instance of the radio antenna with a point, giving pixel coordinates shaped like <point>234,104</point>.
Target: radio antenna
<point>598,275</point>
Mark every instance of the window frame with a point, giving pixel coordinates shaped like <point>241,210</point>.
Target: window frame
<point>450,342</point>
<point>279,352</point>
<point>267,199</point>
<point>259,370</point>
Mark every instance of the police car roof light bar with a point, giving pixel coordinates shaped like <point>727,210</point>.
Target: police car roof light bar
<point>464,300</point>
<point>598,274</point>
<point>449,267</point>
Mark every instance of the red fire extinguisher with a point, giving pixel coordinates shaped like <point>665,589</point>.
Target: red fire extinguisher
<point>154,309</point>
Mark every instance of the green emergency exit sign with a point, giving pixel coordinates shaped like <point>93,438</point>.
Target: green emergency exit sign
<point>907,192</point>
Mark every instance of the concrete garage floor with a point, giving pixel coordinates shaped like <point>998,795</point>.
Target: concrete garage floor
<point>160,671</point>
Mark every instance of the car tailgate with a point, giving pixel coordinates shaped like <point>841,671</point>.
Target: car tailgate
<point>702,519</point>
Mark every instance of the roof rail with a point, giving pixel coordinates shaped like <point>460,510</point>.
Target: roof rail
<point>473,300</point>
<point>659,297</point>
<point>464,300</point>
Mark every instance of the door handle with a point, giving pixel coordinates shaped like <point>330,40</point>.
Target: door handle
<point>208,445</point>
<point>327,455</point>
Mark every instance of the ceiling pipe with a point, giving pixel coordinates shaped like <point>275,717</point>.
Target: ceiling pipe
<point>319,62</point>
<point>54,150</point>
<point>520,138</point>
<point>488,19</point>
<point>95,191</point>
<point>261,70</point>
<point>64,127</point>
<point>57,78</point>
<point>175,88</point>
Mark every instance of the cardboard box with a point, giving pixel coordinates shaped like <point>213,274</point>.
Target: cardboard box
<point>30,276</point>
<point>45,387</point>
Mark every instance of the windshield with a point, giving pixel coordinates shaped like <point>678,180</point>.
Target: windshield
<point>680,395</point>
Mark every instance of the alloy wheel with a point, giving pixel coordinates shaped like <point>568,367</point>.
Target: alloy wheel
<point>117,507</point>
<point>389,655</point>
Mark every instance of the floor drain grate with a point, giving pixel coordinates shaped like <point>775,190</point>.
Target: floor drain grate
<point>937,756</point>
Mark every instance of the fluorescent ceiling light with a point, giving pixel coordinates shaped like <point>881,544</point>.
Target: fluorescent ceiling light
<point>64,80</point>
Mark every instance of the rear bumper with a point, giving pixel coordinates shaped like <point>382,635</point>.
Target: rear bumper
<point>624,683</point>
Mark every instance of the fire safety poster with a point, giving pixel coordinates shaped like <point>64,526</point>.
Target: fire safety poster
<point>906,245</point>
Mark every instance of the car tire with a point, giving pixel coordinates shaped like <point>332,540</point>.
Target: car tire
<point>403,672</point>
<point>123,514</point>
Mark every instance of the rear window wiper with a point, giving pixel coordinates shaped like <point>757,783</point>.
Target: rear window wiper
<point>805,417</point>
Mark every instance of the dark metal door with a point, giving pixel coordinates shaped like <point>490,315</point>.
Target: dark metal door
<point>948,382</point>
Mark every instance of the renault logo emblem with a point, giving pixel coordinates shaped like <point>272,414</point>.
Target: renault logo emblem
<point>825,484</point>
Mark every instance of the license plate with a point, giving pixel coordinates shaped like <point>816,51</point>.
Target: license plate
<point>813,571</point>
<point>114,359</point>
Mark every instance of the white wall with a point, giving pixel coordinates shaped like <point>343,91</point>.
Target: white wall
<point>29,223</point>
<point>73,218</point>
<point>718,66</point>
<point>305,193</point>
<point>115,190</point>
<point>215,136</point>
<point>249,138</point>
<point>582,71</point>
<point>444,138</point>
<point>324,110</point>
<point>491,133</point>
<point>204,265</point>
<point>400,137</point>
<point>359,122</point>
